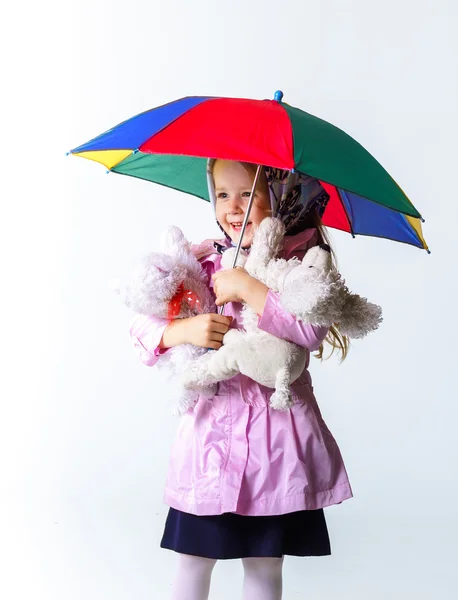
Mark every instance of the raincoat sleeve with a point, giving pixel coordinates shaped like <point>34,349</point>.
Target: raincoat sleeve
<point>146,333</point>
<point>281,323</point>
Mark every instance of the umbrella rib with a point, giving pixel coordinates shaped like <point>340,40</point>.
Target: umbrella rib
<point>342,203</point>
<point>392,239</point>
<point>417,235</point>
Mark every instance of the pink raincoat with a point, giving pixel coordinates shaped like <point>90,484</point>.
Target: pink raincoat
<point>236,454</point>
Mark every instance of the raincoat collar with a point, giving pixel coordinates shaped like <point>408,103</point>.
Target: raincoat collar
<point>208,249</point>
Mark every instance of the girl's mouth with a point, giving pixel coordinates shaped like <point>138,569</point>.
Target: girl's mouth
<point>237,227</point>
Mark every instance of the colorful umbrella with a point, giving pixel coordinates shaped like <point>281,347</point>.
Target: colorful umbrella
<point>170,145</point>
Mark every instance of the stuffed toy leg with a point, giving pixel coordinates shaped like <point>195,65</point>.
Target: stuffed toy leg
<point>271,361</point>
<point>281,363</point>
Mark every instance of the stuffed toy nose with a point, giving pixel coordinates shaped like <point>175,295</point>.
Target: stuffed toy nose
<point>325,247</point>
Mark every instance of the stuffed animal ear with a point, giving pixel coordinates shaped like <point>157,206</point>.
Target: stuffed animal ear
<point>359,317</point>
<point>173,240</point>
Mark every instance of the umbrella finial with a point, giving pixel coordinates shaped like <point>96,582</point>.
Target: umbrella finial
<point>278,95</point>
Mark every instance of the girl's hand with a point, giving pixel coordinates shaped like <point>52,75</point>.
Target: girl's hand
<point>236,285</point>
<point>230,285</point>
<point>206,331</point>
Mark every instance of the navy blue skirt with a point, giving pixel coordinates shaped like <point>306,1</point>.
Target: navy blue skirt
<point>228,536</point>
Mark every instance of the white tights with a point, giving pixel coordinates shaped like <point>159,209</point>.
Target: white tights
<point>263,578</point>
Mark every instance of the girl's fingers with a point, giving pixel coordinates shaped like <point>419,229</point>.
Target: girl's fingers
<point>214,345</point>
<point>223,299</point>
<point>217,337</point>
<point>219,328</point>
<point>221,319</point>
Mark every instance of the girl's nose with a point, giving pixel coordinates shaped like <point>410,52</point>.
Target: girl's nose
<point>234,205</point>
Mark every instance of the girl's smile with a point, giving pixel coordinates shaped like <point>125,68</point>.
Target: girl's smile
<point>236,227</point>
<point>233,184</point>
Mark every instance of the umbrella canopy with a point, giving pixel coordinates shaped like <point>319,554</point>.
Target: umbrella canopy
<point>170,145</point>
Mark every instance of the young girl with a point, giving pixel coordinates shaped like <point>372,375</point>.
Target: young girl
<point>246,481</point>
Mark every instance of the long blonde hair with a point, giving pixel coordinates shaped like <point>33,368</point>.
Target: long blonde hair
<point>334,338</point>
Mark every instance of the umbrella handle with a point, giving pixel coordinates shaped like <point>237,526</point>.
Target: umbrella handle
<point>245,221</point>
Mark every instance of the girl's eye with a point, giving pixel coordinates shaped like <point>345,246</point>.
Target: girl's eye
<point>246,194</point>
<point>222,195</point>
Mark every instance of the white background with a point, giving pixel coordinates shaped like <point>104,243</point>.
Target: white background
<point>84,433</point>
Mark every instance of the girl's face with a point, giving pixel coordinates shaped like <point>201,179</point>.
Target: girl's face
<point>233,184</point>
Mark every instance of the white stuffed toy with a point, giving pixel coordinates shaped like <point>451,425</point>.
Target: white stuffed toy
<point>171,284</point>
<point>311,289</point>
